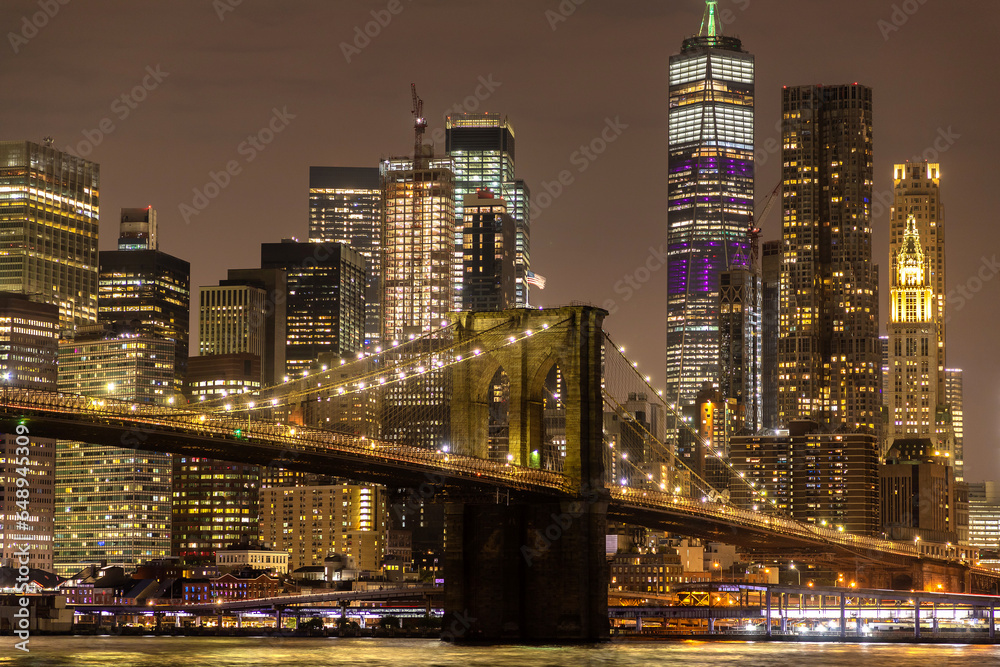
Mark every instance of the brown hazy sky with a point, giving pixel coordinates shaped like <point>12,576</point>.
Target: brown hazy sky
<point>558,81</point>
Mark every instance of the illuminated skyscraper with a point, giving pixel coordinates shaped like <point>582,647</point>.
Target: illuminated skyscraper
<point>418,245</point>
<point>49,222</point>
<point>710,195</point>
<point>829,354</point>
<point>145,288</point>
<point>917,191</point>
<point>481,146</point>
<point>113,503</point>
<point>914,393</point>
<point>345,206</point>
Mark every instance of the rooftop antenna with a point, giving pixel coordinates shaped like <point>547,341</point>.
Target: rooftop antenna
<point>711,24</point>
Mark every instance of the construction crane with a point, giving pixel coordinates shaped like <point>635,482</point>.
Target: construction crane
<point>419,125</point>
<point>753,233</point>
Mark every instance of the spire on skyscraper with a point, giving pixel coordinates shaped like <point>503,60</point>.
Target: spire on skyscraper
<point>711,23</point>
<point>910,260</point>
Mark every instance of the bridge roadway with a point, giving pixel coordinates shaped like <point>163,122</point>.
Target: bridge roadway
<point>189,432</point>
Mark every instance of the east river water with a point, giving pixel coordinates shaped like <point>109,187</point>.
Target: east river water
<point>294,652</point>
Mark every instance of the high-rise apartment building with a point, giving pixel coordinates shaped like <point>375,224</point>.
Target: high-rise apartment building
<point>345,206</point>
<point>829,355</point>
<point>29,345</point>
<point>312,522</point>
<point>487,254</point>
<point>953,397</point>
<point>481,146</point>
<point>827,478</point>
<point>49,214</point>
<point>146,289</point>
<point>710,196</point>
<point>113,503</point>
<point>325,307</point>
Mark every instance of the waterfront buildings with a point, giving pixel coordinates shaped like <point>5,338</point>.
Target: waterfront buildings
<point>29,345</point>
<point>829,356</point>
<point>325,307</point>
<point>481,146</point>
<point>145,288</point>
<point>488,258</point>
<point>710,197</point>
<point>311,522</point>
<point>659,572</point>
<point>345,206</point>
<point>48,248</point>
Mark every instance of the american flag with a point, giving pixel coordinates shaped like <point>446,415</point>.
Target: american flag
<point>534,279</point>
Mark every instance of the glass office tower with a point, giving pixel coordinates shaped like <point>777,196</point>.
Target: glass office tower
<point>710,195</point>
<point>481,146</point>
<point>345,206</point>
<point>48,228</point>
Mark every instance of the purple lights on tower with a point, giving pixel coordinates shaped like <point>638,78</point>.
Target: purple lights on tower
<point>710,197</point>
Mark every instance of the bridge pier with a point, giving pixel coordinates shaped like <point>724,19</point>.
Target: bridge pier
<point>526,571</point>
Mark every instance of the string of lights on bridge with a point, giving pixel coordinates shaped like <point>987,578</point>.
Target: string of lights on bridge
<point>647,380</point>
<point>429,362</point>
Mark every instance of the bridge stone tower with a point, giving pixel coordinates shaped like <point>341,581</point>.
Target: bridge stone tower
<point>530,570</point>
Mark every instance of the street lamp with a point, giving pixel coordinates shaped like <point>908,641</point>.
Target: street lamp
<point>798,574</point>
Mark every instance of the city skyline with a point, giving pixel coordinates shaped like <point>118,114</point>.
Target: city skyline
<point>618,83</point>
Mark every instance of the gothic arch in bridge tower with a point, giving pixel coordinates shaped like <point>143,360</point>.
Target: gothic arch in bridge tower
<point>570,338</point>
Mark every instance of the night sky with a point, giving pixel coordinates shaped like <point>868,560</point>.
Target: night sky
<point>211,74</point>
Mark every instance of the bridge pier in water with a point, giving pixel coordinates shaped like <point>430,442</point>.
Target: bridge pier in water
<point>531,569</point>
